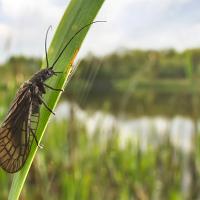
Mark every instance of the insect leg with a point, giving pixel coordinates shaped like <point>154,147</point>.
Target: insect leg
<point>55,89</point>
<point>35,138</point>
<point>49,109</point>
<point>57,72</point>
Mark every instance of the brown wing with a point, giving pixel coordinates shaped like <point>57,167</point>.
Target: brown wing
<point>16,132</point>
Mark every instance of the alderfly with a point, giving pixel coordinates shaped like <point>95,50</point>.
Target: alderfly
<point>18,131</point>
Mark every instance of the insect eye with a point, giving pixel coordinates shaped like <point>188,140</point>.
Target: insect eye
<point>49,73</point>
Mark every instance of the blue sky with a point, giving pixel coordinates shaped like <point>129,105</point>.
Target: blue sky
<point>144,24</point>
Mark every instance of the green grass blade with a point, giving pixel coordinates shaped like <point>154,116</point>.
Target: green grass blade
<point>78,14</point>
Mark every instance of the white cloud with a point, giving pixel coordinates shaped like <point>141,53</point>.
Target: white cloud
<point>141,24</point>
<point>21,9</point>
<point>27,22</point>
<point>4,31</point>
<point>131,24</point>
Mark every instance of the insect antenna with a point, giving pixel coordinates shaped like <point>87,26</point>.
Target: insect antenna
<point>47,62</point>
<point>60,54</point>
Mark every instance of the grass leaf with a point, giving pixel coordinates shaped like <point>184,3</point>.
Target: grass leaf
<point>78,14</point>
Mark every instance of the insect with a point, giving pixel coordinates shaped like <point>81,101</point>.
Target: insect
<point>18,130</point>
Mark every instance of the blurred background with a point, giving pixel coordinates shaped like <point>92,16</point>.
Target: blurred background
<point>127,125</point>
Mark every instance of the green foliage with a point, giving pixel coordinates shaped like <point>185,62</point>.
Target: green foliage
<point>148,79</point>
<point>158,82</point>
<point>73,165</point>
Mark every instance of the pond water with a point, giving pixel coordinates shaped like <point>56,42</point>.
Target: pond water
<point>147,130</point>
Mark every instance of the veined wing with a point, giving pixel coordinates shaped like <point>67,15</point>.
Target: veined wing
<point>17,131</point>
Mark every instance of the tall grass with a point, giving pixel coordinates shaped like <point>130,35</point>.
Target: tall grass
<point>79,167</point>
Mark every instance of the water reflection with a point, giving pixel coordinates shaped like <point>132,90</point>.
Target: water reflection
<point>148,131</point>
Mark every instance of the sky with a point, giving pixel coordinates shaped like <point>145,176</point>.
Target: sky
<point>131,24</point>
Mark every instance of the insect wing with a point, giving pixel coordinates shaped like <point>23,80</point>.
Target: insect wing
<point>16,135</point>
